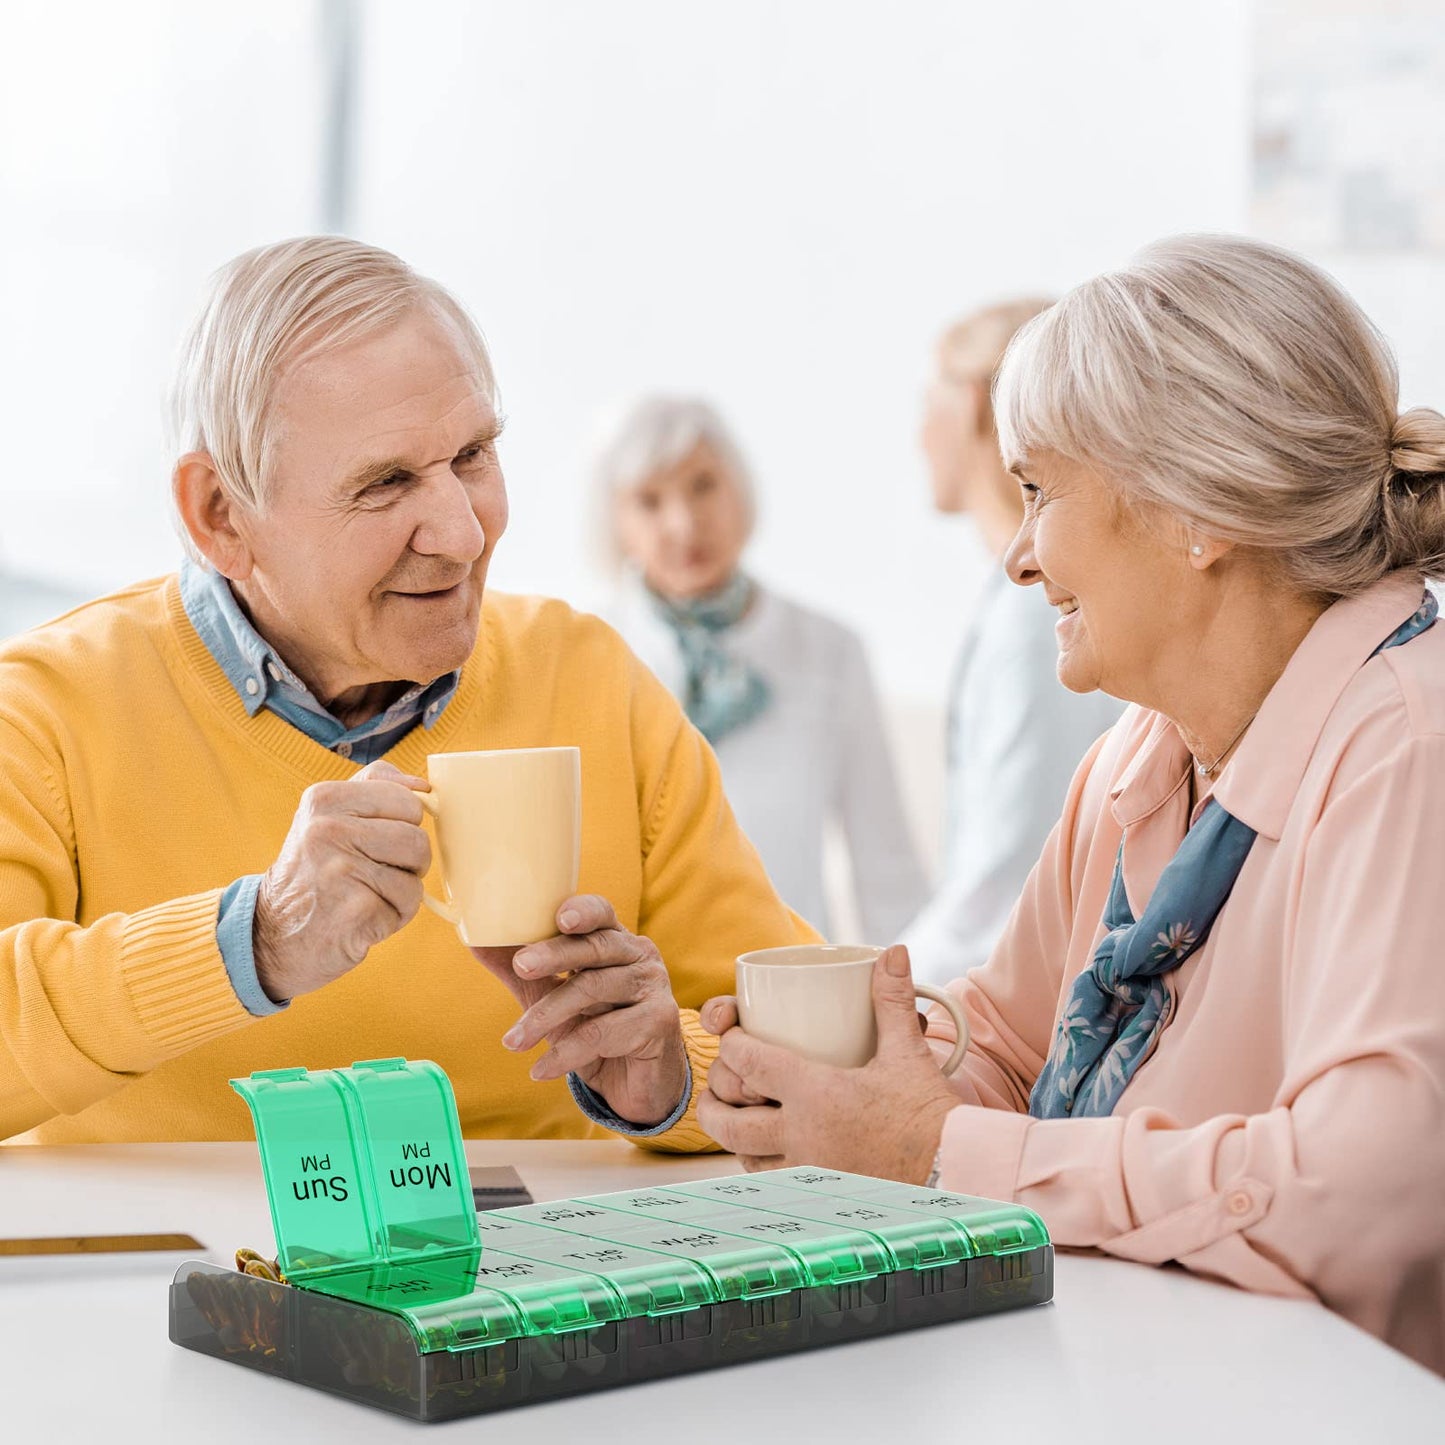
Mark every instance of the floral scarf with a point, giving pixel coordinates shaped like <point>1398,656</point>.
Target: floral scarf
<point>1119,1006</point>
<point>722,691</point>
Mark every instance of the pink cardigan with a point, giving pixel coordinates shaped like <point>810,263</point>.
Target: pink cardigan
<point>1288,1133</point>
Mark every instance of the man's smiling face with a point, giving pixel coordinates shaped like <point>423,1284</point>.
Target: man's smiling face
<point>383,501</point>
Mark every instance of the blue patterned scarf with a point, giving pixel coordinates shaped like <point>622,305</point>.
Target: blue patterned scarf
<point>1119,1005</point>
<point>722,691</point>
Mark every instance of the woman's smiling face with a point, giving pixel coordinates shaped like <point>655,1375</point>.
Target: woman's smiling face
<point>1116,580</point>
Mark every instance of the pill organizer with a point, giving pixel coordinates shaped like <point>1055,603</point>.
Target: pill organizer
<point>399,1294</point>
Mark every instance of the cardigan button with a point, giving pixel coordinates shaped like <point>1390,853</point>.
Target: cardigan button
<point>252,687</point>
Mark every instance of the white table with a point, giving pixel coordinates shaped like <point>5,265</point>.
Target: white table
<point>1125,1352</point>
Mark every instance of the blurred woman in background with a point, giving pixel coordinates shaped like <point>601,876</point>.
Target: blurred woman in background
<point>1015,733</point>
<point>784,694</point>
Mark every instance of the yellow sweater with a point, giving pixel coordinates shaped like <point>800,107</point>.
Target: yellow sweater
<point>134,788</point>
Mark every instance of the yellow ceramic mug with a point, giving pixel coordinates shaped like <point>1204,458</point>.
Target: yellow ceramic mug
<point>509,835</point>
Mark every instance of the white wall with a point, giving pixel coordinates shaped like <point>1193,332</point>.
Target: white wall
<point>775,204</point>
<point>141,144</point>
<point>778,206</point>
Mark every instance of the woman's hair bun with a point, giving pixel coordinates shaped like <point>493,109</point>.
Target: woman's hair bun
<point>1417,442</point>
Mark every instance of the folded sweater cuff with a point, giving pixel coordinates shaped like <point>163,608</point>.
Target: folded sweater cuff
<point>687,1136</point>
<point>175,976</point>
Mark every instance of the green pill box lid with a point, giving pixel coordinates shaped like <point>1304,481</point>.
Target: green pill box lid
<point>994,1226</point>
<point>363,1165</point>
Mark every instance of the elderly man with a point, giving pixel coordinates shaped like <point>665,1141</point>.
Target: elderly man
<point>211,852</point>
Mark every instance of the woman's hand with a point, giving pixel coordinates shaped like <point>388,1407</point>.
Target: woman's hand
<point>773,1109</point>
<point>601,997</point>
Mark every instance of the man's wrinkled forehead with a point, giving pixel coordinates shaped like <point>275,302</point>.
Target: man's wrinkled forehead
<point>411,393</point>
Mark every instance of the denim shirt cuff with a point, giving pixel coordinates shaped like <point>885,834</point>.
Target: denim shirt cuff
<point>234,925</point>
<point>595,1107</point>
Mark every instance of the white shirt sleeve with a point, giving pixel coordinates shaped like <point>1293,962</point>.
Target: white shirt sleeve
<point>888,879</point>
<point>1017,737</point>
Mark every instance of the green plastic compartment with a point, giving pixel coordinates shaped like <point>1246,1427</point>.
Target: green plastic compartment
<point>647,1281</point>
<point>993,1226</point>
<point>439,1300</point>
<point>738,1268</point>
<point>828,1254</point>
<point>911,1240</point>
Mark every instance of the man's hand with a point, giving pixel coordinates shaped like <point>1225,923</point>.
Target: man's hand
<point>602,999</point>
<point>349,875</point>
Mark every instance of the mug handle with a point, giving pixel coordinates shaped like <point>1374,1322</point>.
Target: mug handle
<point>448,911</point>
<point>960,1022</point>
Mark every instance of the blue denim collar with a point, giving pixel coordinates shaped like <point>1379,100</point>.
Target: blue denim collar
<point>262,679</point>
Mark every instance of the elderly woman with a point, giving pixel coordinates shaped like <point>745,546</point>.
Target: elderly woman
<point>1015,734</point>
<point>784,694</point>
<point>1214,1030</point>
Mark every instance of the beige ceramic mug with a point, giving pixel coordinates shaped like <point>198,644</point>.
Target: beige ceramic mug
<point>817,1000</point>
<point>509,835</point>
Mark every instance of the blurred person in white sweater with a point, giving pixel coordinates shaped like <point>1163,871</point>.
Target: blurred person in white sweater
<point>783,693</point>
<point>1015,733</point>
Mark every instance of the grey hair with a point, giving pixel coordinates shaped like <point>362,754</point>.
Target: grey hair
<point>269,311</point>
<point>1235,387</point>
<point>649,435</point>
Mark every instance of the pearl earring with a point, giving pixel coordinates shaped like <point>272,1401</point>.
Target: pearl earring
<point>1197,550</point>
